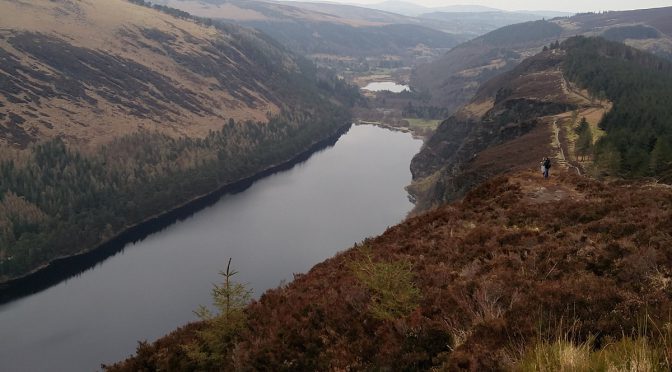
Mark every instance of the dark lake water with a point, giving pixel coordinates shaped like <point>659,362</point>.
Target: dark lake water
<point>282,224</point>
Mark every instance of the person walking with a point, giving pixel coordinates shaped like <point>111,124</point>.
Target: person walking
<point>547,166</point>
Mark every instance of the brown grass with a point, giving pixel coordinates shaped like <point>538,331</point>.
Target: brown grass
<point>104,26</point>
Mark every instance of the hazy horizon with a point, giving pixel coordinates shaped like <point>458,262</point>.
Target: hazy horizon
<point>513,5</point>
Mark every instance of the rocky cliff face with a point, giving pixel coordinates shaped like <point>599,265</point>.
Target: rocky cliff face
<point>514,105</point>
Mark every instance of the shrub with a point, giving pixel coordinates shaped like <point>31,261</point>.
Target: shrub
<point>393,292</point>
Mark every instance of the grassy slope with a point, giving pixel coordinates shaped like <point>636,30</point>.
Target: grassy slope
<point>95,70</point>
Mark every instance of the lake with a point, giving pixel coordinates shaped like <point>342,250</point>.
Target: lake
<point>280,225</point>
<point>386,85</point>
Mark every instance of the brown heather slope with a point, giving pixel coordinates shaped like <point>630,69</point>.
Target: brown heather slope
<point>453,79</point>
<point>92,70</point>
<point>496,272</point>
<point>508,126</point>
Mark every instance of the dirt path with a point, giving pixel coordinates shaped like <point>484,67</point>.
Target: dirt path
<point>563,159</point>
<point>537,189</point>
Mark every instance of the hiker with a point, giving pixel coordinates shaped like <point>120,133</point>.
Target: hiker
<point>547,166</point>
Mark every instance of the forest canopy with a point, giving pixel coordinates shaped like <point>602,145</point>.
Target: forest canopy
<point>639,126</point>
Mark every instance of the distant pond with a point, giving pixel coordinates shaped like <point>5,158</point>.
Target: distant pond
<point>386,85</point>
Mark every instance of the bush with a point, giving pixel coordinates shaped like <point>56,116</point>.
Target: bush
<point>390,284</point>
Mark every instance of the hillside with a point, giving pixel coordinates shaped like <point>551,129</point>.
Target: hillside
<point>453,79</point>
<point>323,28</point>
<point>138,68</point>
<point>112,112</point>
<point>474,285</point>
<point>623,94</point>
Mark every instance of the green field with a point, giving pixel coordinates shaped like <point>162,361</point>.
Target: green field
<point>424,124</point>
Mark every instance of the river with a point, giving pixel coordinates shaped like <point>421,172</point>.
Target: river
<point>282,224</point>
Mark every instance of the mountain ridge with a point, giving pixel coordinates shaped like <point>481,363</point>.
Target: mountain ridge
<point>462,69</point>
<point>319,28</point>
<point>547,90</point>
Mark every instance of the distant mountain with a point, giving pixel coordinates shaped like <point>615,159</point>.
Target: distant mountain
<point>112,112</point>
<point>453,79</point>
<point>411,9</point>
<point>399,7</point>
<point>478,23</point>
<point>547,13</point>
<point>322,28</point>
<point>466,9</point>
<point>414,10</point>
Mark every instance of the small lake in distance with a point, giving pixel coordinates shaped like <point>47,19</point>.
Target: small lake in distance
<point>281,225</point>
<point>385,85</point>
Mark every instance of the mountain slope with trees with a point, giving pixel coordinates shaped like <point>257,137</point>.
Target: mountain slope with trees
<point>452,80</point>
<point>113,112</point>
<point>543,92</point>
<point>322,28</point>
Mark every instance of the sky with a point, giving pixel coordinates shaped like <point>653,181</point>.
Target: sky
<point>564,5</point>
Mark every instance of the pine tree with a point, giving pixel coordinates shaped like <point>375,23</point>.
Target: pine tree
<point>584,144</point>
<point>661,156</point>
<point>221,330</point>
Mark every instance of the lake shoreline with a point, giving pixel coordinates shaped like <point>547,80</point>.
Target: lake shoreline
<point>62,268</point>
<point>393,128</point>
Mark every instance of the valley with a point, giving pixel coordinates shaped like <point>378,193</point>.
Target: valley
<point>100,134</point>
<point>496,258</point>
<point>267,226</point>
<point>452,80</point>
<point>365,178</point>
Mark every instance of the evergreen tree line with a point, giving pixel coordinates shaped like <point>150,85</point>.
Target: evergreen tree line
<point>639,126</point>
<point>584,141</point>
<point>55,200</point>
<point>424,112</point>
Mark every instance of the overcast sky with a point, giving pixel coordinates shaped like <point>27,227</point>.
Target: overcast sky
<point>564,5</point>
